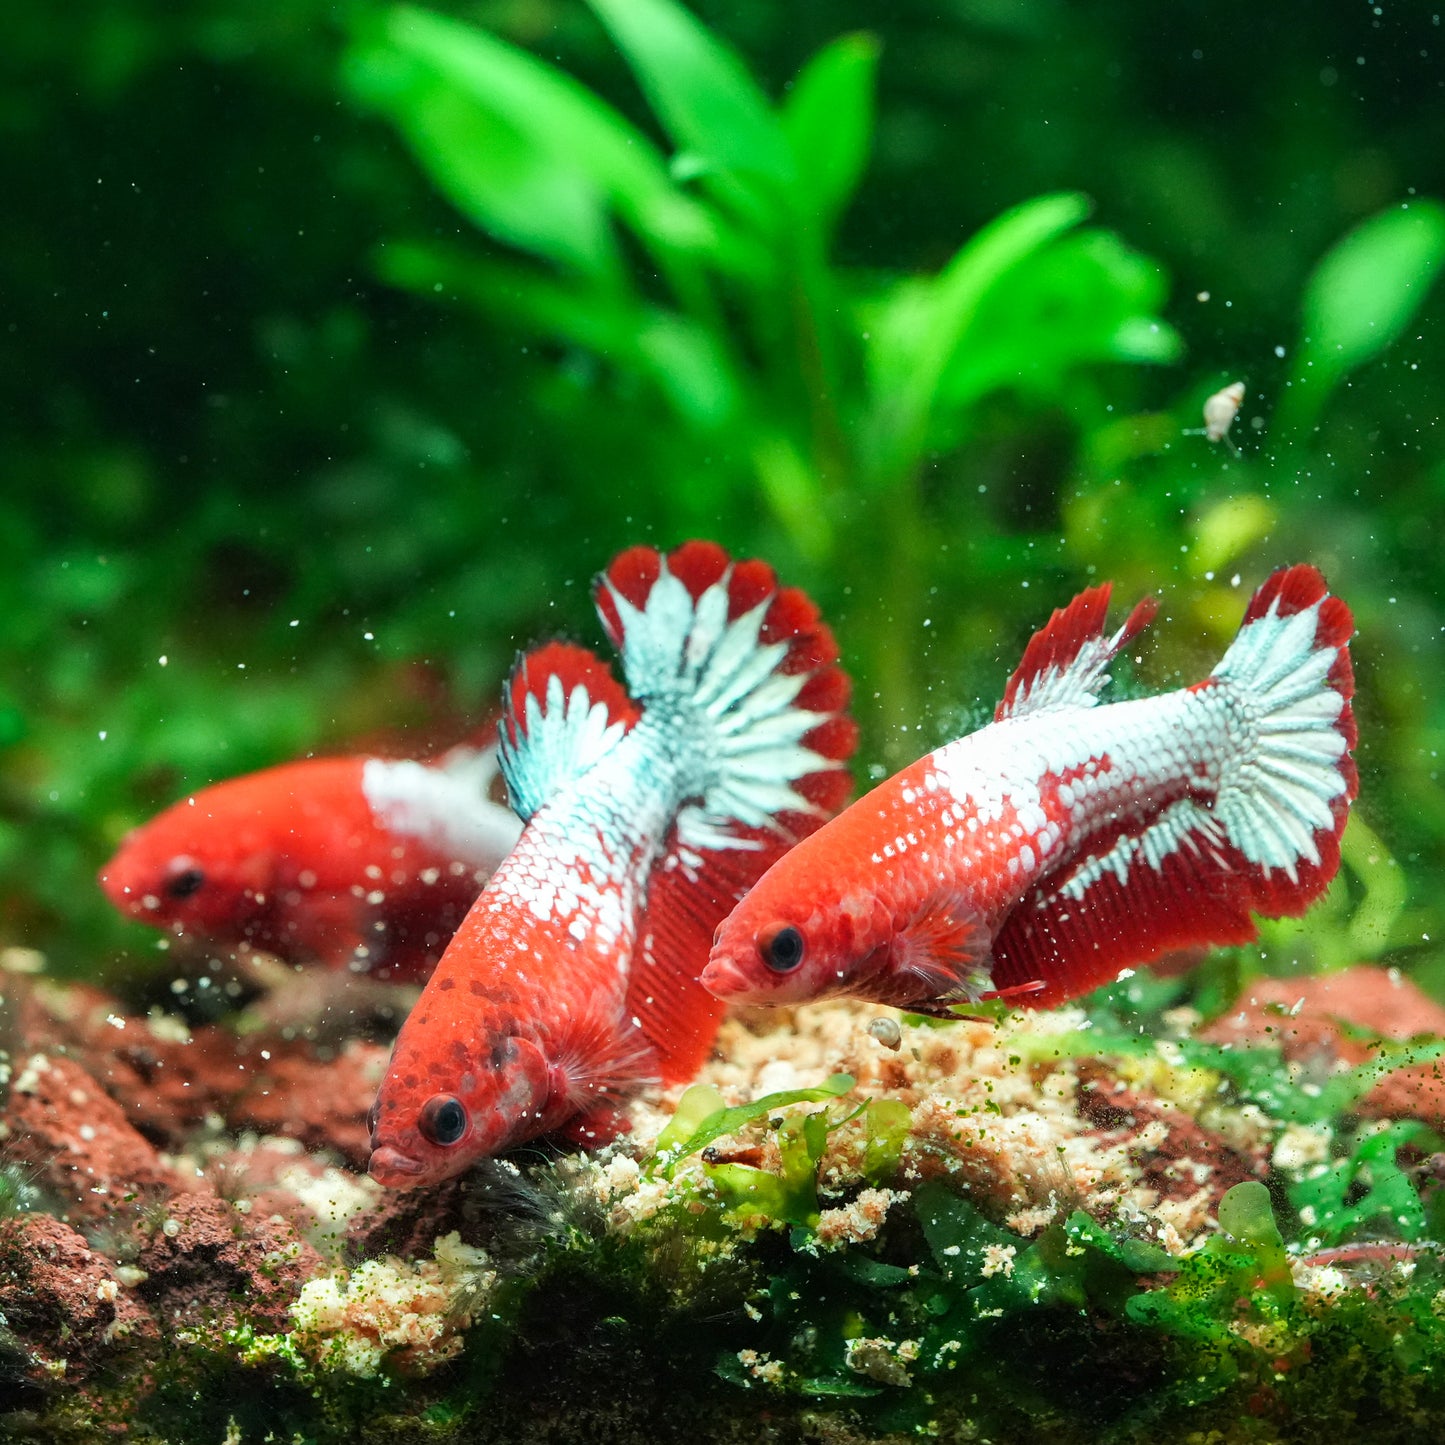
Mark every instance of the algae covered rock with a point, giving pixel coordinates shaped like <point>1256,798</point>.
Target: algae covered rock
<point>1102,1223</point>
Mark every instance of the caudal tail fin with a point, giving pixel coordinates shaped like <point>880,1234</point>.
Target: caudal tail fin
<point>1284,801</point>
<point>742,676</point>
<point>742,673</point>
<point>1277,726</point>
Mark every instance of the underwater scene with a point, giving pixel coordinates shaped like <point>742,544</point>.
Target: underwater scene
<point>722,722</point>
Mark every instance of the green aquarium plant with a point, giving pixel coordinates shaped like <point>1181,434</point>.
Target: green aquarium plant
<point>702,273</point>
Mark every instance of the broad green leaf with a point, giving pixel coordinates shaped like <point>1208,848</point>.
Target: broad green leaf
<point>483,158</point>
<point>792,489</point>
<point>957,1234</point>
<point>828,119</point>
<point>1138,1255</point>
<point>1082,300</point>
<point>888,1123</point>
<point>680,358</point>
<point>567,311</point>
<point>698,1104</point>
<point>673,1144</point>
<point>523,149</point>
<point>690,369</point>
<point>1335,1202</point>
<point>1247,1216</point>
<point>917,331</point>
<point>1361,297</point>
<point>699,88</point>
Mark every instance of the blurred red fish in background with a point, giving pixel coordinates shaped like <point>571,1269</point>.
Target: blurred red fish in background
<point>367,863</point>
<point>650,810</point>
<point>1042,854</point>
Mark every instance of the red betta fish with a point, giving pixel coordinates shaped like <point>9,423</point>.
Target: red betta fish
<point>573,981</point>
<point>1043,854</point>
<point>353,862</point>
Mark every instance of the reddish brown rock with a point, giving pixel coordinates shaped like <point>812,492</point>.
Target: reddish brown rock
<point>1318,1021</point>
<point>408,1222</point>
<point>321,1103</point>
<point>1190,1157</point>
<point>171,1082</point>
<point>63,1299</point>
<point>76,1138</point>
<point>208,1265</point>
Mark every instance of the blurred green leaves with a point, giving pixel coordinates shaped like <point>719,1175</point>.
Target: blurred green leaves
<point>1361,297</point>
<point>657,304</point>
<point>830,387</point>
<point>828,121</point>
<point>857,381</point>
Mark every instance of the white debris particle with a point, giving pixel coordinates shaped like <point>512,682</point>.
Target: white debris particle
<point>998,1259</point>
<point>1302,1145</point>
<point>761,1367</point>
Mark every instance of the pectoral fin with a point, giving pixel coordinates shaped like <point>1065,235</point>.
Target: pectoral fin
<point>943,955</point>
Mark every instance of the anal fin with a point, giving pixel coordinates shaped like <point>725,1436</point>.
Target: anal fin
<point>688,895</point>
<point>1137,893</point>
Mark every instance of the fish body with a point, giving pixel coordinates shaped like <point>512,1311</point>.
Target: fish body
<point>1041,855</point>
<point>572,982</point>
<point>363,862</point>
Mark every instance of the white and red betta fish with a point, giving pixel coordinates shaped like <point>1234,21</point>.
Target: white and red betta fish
<point>573,981</point>
<point>1065,842</point>
<point>360,862</point>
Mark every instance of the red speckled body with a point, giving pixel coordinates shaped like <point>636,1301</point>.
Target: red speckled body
<point>343,861</point>
<point>573,981</point>
<point>1066,841</point>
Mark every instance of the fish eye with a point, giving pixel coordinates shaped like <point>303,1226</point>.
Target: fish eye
<point>373,1116</point>
<point>443,1119</point>
<point>184,879</point>
<point>781,949</point>
<point>716,935</point>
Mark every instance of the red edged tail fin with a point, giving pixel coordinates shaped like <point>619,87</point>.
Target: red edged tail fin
<point>745,674</point>
<point>1283,803</point>
<point>1064,663</point>
<point>749,671</point>
<point>562,710</point>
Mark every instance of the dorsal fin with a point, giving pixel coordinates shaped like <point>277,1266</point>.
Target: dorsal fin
<point>1063,665</point>
<point>562,711</point>
<point>446,802</point>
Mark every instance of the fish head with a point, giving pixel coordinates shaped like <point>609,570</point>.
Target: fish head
<point>194,869</point>
<point>790,942</point>
<point>459,1088</point>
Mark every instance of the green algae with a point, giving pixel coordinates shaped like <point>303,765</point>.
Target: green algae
<point>728,1307</point>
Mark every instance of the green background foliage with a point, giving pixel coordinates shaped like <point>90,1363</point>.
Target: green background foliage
<point>342,346</point>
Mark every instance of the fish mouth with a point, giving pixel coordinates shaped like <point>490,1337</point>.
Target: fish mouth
<point>391,1167</point>
<point>724,979</point>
